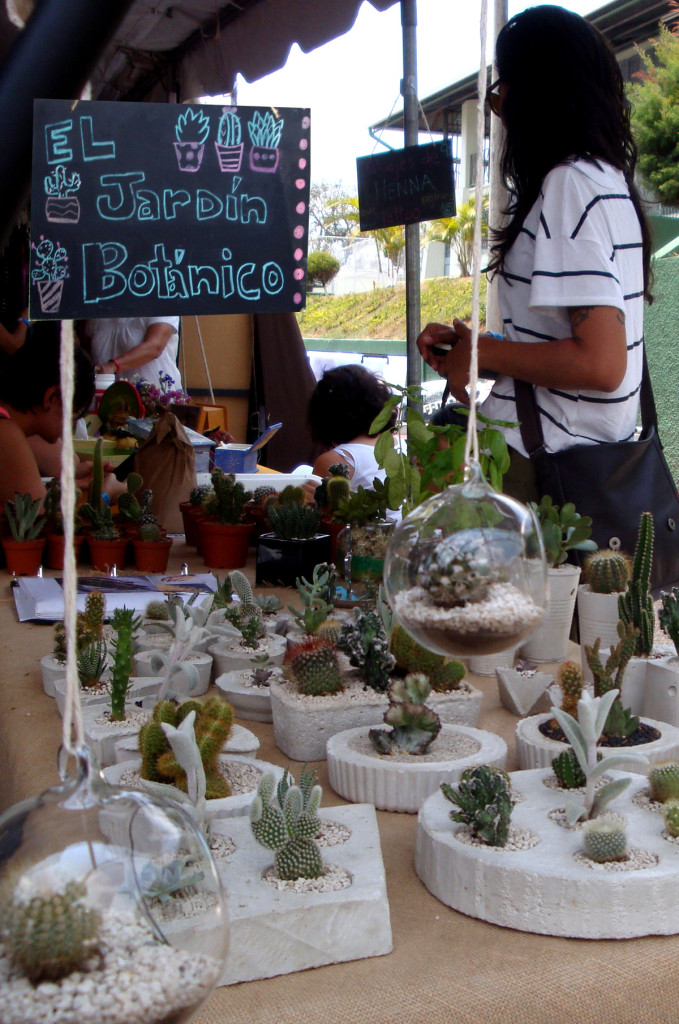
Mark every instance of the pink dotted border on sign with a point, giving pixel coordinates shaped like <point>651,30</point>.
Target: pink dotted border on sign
<point>299,229</point>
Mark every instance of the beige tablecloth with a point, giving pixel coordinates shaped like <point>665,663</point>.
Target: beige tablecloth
<point>445,968</point>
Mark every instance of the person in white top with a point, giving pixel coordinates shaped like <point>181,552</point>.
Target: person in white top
<point>341,409</point>
<point>132,347</point>
<point>573,255</point>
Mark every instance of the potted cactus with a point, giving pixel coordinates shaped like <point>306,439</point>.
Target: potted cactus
<point>54,554</point>
<point>23,549</point>
<point>62,206</point>
<point>265,135</point>
<point>191,132</point>
<point>333,489</point>
<point>107,547</point>
<point>193,510</point>
<point>294,546</point>
<point>605,574</point>
<point>151,549</point>
<point>224,531</point>
<point>229,144</point>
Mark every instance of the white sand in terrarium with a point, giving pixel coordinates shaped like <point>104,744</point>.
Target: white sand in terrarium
<point>506,611</point>
<point>517,840</point>
<point>636,860</point>
<point>332,879</point>
<point>448,746</point>
<point>241,776</point>
<point>134,980</point>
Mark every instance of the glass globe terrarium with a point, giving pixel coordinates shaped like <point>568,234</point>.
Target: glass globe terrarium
<point>110,908</point>
<point>465,572</point>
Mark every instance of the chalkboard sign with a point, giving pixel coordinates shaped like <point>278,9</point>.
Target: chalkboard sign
<point>406,186</point>
<point>154,209</point>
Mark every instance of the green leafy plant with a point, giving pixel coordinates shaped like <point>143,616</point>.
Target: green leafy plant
<point>366,644</point>
<point>321,268</point>
<point>315,606</point>
<point>636,604</point>
<point>22,516</point>
<point>364,505</point>
<point>285,818</point>
<point>655,122</point>
<point>563,530</point>
<point>414,726</point>
<point>484,800</point>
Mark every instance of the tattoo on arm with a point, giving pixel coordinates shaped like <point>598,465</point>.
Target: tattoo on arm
<point>621,316</point>
<point>577,316</point>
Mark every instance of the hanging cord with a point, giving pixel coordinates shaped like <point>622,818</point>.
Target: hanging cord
<point>202,352</point>
<point>73,737</point>
<point>472,442</point>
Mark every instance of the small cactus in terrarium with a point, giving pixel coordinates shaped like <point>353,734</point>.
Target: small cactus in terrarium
<point>284,818</point>
<point>570,679</point>
<point>314,667</point>
<point>607,571</point>
<point>414,726</point>
<point>454,575</point>
<point>605,838</point>
<point>663,779</point>
<point>483,799</point>
<point>670,816</point>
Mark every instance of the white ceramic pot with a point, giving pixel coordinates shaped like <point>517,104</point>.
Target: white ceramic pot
<point>633,691</point>
<point>661,698</point>
<point>230,656</point>
<point>597,617</point>
<point>485,664</point>
<point>549,641</point>
<point>201,662</point>
<point>394,785</point>
<point>51,670</point>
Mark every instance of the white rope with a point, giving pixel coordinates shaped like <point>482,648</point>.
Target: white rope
<point>73,736</point>
<point>202,352</point>
<point>472,442</point>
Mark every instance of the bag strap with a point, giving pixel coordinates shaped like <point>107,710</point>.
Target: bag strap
<point>529,415</point>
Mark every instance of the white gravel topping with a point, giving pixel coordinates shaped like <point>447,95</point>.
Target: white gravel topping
<point>333,833</point>
<point>241,776</point>
<point>446,747</point>
<point>103,724</point>
<point>636,860</point>
<point>518,839</point>
<point>505,612</point>
<point>643,799</point>
<point>332,879</point>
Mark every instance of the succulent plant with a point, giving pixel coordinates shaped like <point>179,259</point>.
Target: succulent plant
<point>290,517</point>
<point>607,571</point>
<point>91,662</point>
<point>200,495</point>
<point>338,475</point>
<point>621,721</point>
<point>158,611</point>
<point>636,604</point>
<point>605,838</point>
<point>414,726</point>
<point>125,625</point>
<point>569,678</point>
<point>669,615</point>
<point>263,670</point>
<point>563,529</point>
<point>365,643</point>
<point>663,779</point>
<point>150,532</point>
<point>229,498</point>
<point>670,816</point>
<point>102,522</point>
<point>567,770</point>
<point>314,667</point>
<point>95,612</point>
<point>364,505</point>
<point>268,604</point>
<point>316,607</point>
<point>444,674</point>
<point>484,800</point>
<point>163,881</point>
<point>128,505</point>
<point>22,516</point>
<point>285,818</point>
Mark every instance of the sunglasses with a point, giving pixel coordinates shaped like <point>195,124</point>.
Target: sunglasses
<point>493,98</point>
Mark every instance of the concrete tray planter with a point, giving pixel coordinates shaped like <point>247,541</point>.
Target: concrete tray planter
<point>661,699</point>
<point>201,662</point>
<point>240,741</point>
<point>278,931</point>
<point>230,656</point>
<point>139,688</point>
<point>253,703</point>
<point>101,735</point>
<point>403,785</point>
<point>546,888</point>
<point>225,807</point>
<point>537,751</point>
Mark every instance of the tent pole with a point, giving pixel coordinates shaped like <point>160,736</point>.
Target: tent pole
<point>51,59</point>
<point>412,231</point>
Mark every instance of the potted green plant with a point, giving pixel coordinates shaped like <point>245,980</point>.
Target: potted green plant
<point>224,532</point>
<point>294,546</point>
<point>193,510</point>
<point>332,489</point>
<point>54,529</point>
<point>362,545</point>
<point>23,550</point>
<point>151,549</point>
<point>605,575</point>
<point>107,547</point>
<point>265,136</point>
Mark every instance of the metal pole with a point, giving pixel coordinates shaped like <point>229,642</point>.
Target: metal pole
<point>51,59</point>
<point>412,231</point>
<point>498,193</point>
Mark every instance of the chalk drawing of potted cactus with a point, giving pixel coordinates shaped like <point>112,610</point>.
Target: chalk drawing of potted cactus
<point>49,272</point>
<point>228,145</point>
<point>192,130</point>
<point>61,205</point>
<point>265,136</point>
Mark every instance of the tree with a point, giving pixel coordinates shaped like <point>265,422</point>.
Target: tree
<point>391,243</point>
<point>458,233</point>
<point>330,211</point>
<point>321,267</point>
<point>655,116</point>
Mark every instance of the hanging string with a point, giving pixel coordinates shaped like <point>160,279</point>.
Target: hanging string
<point>73,737</point>
<point>202,352</point>
<point>472,442</point>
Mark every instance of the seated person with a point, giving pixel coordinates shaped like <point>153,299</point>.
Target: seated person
<point>341,409</point>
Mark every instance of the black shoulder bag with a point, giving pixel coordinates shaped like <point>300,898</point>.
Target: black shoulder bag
<point>613,482</point>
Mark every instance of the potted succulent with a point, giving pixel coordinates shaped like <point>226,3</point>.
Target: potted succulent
<point>62,205</point>
<point>106,546</point>
<point>662,674</point>
<point>224,532</point>
<point>193,510</point>
<point>23,549</point>
<point>54,554</point>
<point>265,135</point>
<point>332,489</point>
<point>151,549</point>
<point>89,627</point>
<point>191,132</point>
<point>294,546</point>
<point>229,145</point>
<point>363,543</point>
<point>605,573</point>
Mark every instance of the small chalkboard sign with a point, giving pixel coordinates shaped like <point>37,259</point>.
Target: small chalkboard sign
<point>155,209</point>
<point>406,186</point>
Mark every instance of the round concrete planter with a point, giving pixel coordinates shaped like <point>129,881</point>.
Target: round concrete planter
<point>549,642</point>
<point>230,656</point>
<point>249,702</point>
<point>225,807</point>
<point>201,662</point>
<point>537,751</point>
<point>392,785</point>
<point>51,670</point>
<point>544,889</point>
<point>240,741</point>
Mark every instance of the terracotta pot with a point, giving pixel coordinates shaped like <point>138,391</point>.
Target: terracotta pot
<point>224,546</point>
<point>24,557</point>
<point>54,555</point>
<point>152,555</point>
<point>334,529</point>
<point>105,553</point>
<point>191,516</point>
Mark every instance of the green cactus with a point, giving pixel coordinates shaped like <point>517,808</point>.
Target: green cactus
<point>316,607</point>
<point>91,662</point>
<point>131,507</point>
<point>95,612</point>
<point>229,498</point>
<point>455,574</point>
<point>607,571</point>
<point>484,802</point>
<point>150,532</point>
<point>200,495</point>
<point>636,604</point>
<point>338,469</point>
<point>670,816</point>
<point>102,521</point>
<point>567,770</point>
<point>260,494</point>
<point>314,667</point>
<point>48,937</point>
<point>569,678</point>
<point>290,518</point>
<point>605,838</point>
<point>445,674</point>
<point>414,725</point>
<point>240,586</point>
<point>669,615</point>
<point>620,721</point>
<point>664,781</point>
<point>22,516</point>
<point>338,490</point>
<point>285,818</point>
<point>157,611</point>
<point>125,625</point>
<point>365,643</point>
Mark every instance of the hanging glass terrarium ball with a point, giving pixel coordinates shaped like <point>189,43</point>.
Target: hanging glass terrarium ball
<point>465,572</point>
<point>111,908</point>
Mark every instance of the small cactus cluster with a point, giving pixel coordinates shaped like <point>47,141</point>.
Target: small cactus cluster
<point>314,667</point>
<point>569,678</point>
<point>125,625</point>
<point>484,803</point>
<point>414,726</point>
<point>669,615</point>
<point>212,726</point>
<point>607,571</point>
<point>605,838</point>
<point>200,495</point>
<point>339,471</point>
<point>620,721</point>
<point>314,594</point>
<point>88,626</point>
<point>444,674</point>
<point>670,815</point>
<point>366,644</point>
<point>290,517</point>
<point>636,604</point>
<point>285,818</point>
<point>103,526</point>
<point>229,498</point>
<point>158,611</point>
<point>663,779</point>
<point>51,935</point>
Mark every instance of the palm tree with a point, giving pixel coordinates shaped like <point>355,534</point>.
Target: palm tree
<point>458,233</point>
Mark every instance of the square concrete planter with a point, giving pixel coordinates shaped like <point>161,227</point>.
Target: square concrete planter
<point>276,931</point>
<point>101,734</point>
<point>139,688</point>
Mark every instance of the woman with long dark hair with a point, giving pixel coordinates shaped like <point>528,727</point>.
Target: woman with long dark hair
<point>572,258</point>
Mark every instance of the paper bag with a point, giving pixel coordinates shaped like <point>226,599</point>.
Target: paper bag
<point>167,464</point>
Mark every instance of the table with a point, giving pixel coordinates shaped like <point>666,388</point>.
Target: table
<point>445,968</point>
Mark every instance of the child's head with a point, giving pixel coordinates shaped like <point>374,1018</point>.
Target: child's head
<point>30,377</point>
<point>344,403</point>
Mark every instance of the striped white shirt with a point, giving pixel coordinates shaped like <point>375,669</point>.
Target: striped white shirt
<point>580,245</point>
